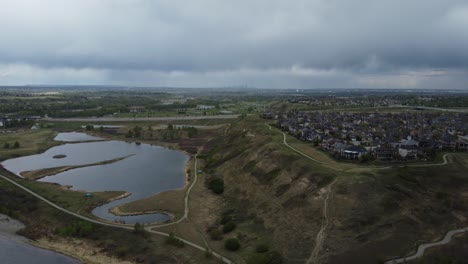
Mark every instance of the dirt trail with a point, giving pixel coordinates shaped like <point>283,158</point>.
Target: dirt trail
<point>321,234</point>
<point>122,226</point>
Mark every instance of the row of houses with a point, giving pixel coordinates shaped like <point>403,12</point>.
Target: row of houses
<point>381,136</point>
<point>13,121</point>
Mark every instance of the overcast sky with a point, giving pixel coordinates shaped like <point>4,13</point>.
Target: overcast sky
<point>215,43</point>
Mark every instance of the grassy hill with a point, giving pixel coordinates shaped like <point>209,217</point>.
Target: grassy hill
<point>276,195</point>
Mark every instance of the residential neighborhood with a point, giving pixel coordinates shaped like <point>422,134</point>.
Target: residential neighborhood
<point>379,136</point>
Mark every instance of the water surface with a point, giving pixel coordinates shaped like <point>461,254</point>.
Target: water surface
<point>16,251</point>
<point>151,170</point>
<point>75,137</point>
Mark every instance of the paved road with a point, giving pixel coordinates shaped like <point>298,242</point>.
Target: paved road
<point>128,227</point>
<point>139,119</point>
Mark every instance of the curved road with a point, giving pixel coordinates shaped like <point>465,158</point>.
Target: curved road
<point>186,212</point>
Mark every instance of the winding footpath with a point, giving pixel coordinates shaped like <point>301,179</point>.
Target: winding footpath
<point>127,227</point>
<point>421,248</point>
<point>186,200</point>
<point>321,234</point>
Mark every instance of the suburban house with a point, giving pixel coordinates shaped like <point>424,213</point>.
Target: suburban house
<point>353,152</point>
<point>408,149</point>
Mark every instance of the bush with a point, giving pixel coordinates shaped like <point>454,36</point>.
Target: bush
<point>16,145</point>
<point>232,244</point>
<point>272,257</point>
<point>77,229</point>
<point>216,185</point>
<point>173,241</point>
<point>6,145</point>
<point>225,219</point>
<point>215,234</point>
<point>228,227</point>
<point>261,248</point>
<point>140,230</point>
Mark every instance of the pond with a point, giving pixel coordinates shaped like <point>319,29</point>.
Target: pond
<point>75,137</point>
<point>150,170</point>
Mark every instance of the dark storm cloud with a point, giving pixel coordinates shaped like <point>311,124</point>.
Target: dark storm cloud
<point>334,41</point>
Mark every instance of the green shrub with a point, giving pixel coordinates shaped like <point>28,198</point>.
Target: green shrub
<point>77,229</point>
<point>232,244</point>
<point>261,248</point>
<point>215,234</point>
<point>225,219</point>
<point>228,227</point>
<point>216,185</point>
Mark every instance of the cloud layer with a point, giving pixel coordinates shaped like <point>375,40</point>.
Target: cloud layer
<point>262,43</point>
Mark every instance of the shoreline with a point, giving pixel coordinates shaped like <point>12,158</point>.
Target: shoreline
<point>76,249</point>
<point>9,226</point>
<point>41,173</point>
<point>117,210</point>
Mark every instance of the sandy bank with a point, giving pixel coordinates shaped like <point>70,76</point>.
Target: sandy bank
<point>79,249</point>
<point>9,226</point>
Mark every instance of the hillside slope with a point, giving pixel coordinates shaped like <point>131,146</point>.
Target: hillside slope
<point>277,195</point>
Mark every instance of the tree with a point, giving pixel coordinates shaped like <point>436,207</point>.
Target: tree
<point>6,145</point>
<point>216,185</point>
<point>232,244</point>
<point>170,127</point>
<point>16,145</point>
<point>89,127</point>
<point>174,241</point>
<point>129,134</point>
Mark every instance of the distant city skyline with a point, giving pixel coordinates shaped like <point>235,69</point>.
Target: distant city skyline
<point>304,44</point>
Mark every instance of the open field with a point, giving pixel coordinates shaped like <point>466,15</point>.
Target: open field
<point>31,142</point>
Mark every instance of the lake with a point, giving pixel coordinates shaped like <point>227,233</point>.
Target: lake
<point>16,251</point>
<point>151,170</point>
